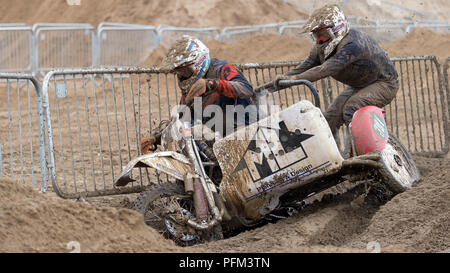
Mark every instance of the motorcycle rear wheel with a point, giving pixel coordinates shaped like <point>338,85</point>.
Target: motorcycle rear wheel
<point>399,172</point>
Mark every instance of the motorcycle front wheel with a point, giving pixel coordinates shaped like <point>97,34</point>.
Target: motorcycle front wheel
<point>166,208</point>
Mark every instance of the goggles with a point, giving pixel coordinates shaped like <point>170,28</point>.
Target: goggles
<point>324,34</point>
<point>185,71</point>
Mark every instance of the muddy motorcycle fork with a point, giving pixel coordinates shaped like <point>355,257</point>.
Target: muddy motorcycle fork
<point>204,192</point>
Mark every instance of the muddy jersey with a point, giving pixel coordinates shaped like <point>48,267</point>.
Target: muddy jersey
<point>232,85</point>
<point>357,61</point>
<point>233,89</point>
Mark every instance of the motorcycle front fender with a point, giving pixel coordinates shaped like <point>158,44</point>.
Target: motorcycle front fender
<point>173,164</point>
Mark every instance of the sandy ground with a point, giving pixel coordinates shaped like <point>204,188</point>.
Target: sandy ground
<point>190,13</point>
<point>33,222</point>
<point>211,13</point>
<point>417,220</point>
<point>414,221</point>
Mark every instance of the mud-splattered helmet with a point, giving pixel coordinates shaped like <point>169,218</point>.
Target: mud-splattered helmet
<point>327,26</point>
<point>188,57</point>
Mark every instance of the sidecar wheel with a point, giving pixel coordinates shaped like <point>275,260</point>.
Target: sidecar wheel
<point>399,172</point>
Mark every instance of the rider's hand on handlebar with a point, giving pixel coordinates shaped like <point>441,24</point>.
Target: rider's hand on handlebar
<point>278,79</point>
<point>212,85</point>
<point>200,88</point>
<point>197,90</point>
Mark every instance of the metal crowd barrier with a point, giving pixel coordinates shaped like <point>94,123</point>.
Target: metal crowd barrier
<point>22,151</point>
<point>290,30</point>
<point>97,123</point>
<point>98,117</point>
<point>382,33</point>
<point>290,23</point>
<point>16,45</point>
<point>125,44</point>
<point>237,33</point>
<point>48,46</point>
<point>380,30</point>
<point>63,46</point>
<point>446,84</point>
<point>443,27</point>
<point>169,34</point>
<point>418,114</point>
<point>13,25</point>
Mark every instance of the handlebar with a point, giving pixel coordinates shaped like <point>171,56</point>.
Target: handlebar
<point>289,83</point>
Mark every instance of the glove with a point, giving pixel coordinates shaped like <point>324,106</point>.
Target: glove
<point>212,93</point>
<point>149,144</point>
<point>196,90</point>
<point>278,79</point>
<point>203,88</point>
<point>212,85</point>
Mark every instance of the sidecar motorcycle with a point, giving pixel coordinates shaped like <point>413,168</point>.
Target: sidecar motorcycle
<point>283,159</point>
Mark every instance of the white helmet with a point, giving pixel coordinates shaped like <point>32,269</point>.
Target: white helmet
<point>188,52</point>
<point>327,26</point>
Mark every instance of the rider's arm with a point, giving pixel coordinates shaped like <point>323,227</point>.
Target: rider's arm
<point>311,61</point>
<point>233,84</point>
<point>343,57</point>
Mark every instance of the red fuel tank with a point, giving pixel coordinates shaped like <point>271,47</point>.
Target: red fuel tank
<point>369,130</point>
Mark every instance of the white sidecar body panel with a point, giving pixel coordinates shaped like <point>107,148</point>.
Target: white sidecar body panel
<point>264,160</point>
